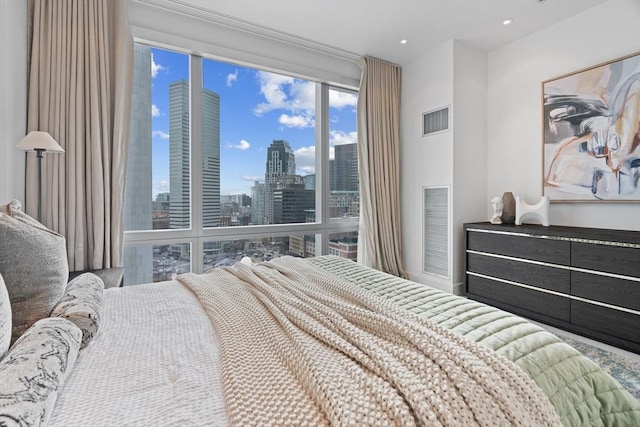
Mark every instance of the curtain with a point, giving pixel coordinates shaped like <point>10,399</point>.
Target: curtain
<point>80,76</point>
<point>378,111</point>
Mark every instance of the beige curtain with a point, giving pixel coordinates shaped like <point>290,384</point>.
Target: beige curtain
<point>80,74</point>
<point>379,242</point>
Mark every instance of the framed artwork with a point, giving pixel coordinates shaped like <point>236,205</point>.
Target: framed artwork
<point>591,133</point>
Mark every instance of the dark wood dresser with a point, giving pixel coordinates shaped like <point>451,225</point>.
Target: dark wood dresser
<point>584,280</point>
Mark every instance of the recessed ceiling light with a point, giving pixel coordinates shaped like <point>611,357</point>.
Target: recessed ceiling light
<point>507,21</point>
<point>403,41</point>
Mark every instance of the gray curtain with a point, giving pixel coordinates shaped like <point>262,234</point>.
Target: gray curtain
<point>80,76</point>
<point>379,241</point>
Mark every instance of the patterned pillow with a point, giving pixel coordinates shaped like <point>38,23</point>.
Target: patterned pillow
<point>33,262</point>
<point>34,370</point>
<point>5,319</point>
<point>81,304</point>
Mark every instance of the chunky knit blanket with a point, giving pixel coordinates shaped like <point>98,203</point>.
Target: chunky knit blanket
<point>301,346</point>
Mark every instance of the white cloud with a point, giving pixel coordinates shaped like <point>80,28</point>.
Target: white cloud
<point>253,178</point>
<point>155,67</point>
<point>297,97</point>
<point>339,99</point>
<point>305,160</point>
<point>271,87</point>
<point>242,145</point>
<point>299,121</point>
<point>338,137</point>
<point>155,111</point>
<point>285,93</point>
<point>161,134</point>
<point>231,78</point>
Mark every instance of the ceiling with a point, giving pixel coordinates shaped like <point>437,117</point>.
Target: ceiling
<point>375,27</point>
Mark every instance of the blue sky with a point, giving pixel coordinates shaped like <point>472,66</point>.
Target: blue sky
<point>256,107</point>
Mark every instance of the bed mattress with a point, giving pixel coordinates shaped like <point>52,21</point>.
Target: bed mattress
<point>153,362</point>
<point>155,359</point>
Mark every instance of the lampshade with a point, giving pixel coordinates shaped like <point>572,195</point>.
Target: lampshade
<point>37,140</point>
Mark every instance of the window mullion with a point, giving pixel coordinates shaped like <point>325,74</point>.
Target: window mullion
<point>195,132</point>
<point>322,130</point>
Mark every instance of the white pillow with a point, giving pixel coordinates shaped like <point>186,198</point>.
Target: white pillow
<point>34,370</point>
<point>33,262</point>
<point>81,304</point>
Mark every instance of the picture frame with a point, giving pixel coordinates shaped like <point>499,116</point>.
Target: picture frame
<point>591,133</point>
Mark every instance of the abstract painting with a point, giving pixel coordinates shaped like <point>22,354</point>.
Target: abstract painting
<point>591,132</point>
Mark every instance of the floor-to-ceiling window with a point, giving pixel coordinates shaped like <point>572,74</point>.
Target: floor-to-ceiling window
<point>227,161</point>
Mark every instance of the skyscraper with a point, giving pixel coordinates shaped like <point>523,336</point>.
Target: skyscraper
<point>210,158</point>
<point>310,182</point>
<point>281,162</point>
<point>179,156</point>
<point>345,168</point>
<point>138,191</point>
<point>257,203</point>
<point>179,192</point>
<point>138,260</point>
<point>291,203</point>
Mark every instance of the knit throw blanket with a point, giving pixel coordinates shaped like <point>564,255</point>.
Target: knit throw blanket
<point>301,346</point>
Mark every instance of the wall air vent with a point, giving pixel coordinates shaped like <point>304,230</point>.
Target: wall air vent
<point>436,121</point>
<point>436,231</point>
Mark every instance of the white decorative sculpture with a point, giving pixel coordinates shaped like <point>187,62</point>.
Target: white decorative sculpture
<point>540,210</point>
<point>497,204</point>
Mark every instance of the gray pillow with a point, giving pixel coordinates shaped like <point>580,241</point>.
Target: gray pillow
<point>34,370</point>
<point>81,304</point>
<point>5,319</point>
<point>33,262</point>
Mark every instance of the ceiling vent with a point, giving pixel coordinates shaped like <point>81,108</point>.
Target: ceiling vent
<point>436,121</point>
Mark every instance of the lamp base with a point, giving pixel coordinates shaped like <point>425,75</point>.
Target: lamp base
<point>39,156</point>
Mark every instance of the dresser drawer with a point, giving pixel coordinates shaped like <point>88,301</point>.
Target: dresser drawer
<point>606,320</point>
<point>541,276</point>
<point>537,249</point>
<point>612,259</point>
<point>610,290</point>
<point>540,302</point>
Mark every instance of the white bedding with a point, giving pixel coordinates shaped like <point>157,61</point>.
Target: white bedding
<point>177,382</point>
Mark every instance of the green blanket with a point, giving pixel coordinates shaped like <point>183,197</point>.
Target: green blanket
<point>582,393</point>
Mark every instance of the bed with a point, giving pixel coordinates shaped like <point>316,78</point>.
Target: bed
<point>157,356</point>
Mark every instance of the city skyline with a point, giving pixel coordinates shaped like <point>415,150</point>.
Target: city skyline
<point>256,107</point>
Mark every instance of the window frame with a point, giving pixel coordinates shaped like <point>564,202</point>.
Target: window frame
<point>197,234</point>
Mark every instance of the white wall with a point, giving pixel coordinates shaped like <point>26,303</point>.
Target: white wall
<point>469,148</point>
<point>500,149</point>
<point>427,84</point>
<point>452,74</point>
<point>13,97</point>
<point>515,73</point>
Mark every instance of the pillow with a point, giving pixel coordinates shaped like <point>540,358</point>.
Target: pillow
<point>81,304</point>
<point>5,319</point>
<point>34,371</point>
<point>33,262</point>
